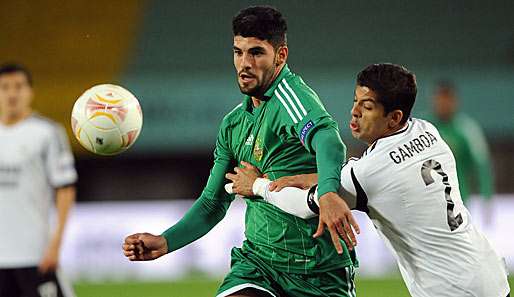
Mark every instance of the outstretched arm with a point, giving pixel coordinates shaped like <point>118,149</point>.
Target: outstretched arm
<point>335,214</point>
<point>292,197</point>
<point>295,201</point>
<point>205,213</point>
<point>298,202</point>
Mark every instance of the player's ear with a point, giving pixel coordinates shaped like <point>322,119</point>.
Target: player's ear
<point>396,118</point>
<point>282,53</point>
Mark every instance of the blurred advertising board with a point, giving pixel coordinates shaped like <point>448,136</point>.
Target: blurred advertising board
<point>93,243</point>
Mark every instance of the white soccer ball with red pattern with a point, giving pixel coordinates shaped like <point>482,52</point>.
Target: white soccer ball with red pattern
<point>106,119</point>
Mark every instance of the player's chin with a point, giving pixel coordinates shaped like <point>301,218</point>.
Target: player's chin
<point>248,89</point>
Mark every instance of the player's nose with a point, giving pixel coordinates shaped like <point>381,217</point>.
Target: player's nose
<point>246,61</point>
<point>355,112</point>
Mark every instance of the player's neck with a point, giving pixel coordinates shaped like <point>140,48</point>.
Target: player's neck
<point>389,132</point>
<point>256,101</point>
<point>12,119</point>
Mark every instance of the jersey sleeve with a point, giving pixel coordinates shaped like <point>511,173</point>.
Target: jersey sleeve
<point>298,202</point>
<point>303,110</point>
<point>352,186</point>
<point>212,205</point>
<point>315,129</point>
<point>59,161</point>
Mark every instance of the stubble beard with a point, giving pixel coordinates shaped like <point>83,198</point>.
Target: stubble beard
<point>262,85</point>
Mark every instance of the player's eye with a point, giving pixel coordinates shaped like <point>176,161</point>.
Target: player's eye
<point>256,52</point>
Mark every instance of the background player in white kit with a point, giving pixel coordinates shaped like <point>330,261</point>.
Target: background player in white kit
<point>406,182</point>
<point>36,166</point>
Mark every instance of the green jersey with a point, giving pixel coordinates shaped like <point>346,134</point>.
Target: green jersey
<point>468,144</point>
<point>289,133</point>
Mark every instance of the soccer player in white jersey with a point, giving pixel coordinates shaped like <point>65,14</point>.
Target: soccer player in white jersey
<point>406,182</point>
<point>36,167</point>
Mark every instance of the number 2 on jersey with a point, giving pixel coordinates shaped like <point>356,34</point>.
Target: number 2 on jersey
<point>426,169</point>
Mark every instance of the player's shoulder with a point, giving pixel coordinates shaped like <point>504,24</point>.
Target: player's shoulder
<point>41,123</point>
<point>464,119</point>
<point>296,88</point>
<point>295,100</point>
<point>467,125</point>
<point>421,124</point>
<point>233,115</point>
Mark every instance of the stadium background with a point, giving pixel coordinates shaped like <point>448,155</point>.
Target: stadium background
<point>175,56</point>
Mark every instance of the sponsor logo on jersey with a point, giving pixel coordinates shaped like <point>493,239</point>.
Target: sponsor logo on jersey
<point>306,130</point>
<point>249,140</point>
<point>9,175</point>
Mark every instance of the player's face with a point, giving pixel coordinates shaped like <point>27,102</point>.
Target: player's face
<point>445,105</point>
<point>256,63</point>
<point>369,121</point>
<point>15,94</point>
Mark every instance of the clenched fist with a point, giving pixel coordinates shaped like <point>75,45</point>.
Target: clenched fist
<point>144,247</point>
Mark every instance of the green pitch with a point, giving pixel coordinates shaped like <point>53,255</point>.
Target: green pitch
<point>207,288</point>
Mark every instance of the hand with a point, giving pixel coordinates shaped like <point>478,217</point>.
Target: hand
<point>144,247</point>
<point>302,181</point>
<point>50,259</point>
<point>335,214</point>
<point>244,178</point>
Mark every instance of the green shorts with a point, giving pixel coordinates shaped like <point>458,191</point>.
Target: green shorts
<point>247,271</point>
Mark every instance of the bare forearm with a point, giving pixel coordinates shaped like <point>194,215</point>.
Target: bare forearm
<point>65,200</point>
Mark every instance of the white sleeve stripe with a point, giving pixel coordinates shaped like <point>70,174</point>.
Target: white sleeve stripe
<point>285,105</point>
<point>300,117</point>
<point>295,97</point>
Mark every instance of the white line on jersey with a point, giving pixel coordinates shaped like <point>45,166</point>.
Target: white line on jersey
<point>295,97</point>
<point>287,107</point>
<point>298,114</point>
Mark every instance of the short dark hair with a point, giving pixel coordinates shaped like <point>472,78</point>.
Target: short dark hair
<point>263,22</point>
<point>446,86</point>
<point>394,84</point>
<point>10,68</point>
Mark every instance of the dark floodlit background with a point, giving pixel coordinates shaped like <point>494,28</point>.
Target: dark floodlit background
<point>175,56</point>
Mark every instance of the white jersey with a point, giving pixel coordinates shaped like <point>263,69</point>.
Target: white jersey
<point>35,159</point>
<point>407,184</point>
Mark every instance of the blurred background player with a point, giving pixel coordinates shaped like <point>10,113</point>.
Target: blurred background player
<point>36,167</point>
<point>467,142</point>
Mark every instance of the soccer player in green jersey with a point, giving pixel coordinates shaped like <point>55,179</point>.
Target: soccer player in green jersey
<point>467,142</point>
<point>282,128</point>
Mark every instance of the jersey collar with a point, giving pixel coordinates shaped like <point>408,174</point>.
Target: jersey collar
<point>283,73</point>
<point>247,102</point>
<point>408,124</point>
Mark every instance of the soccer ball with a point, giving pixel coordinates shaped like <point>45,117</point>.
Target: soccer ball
<point>106,119</point>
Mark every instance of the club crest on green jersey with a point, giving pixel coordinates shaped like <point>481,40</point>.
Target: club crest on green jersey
<point>258,151</point>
